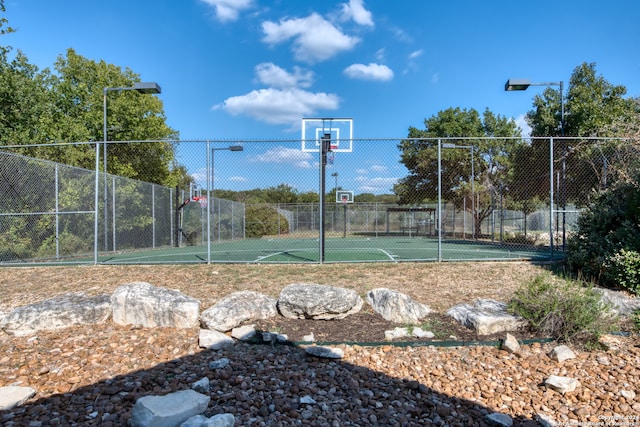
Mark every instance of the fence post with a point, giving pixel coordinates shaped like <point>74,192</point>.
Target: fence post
<point>551,195</point>
<point>439,200</point>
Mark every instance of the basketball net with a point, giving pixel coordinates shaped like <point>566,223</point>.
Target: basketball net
<point>331,157</point>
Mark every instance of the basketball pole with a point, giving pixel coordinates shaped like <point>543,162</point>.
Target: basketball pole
<point>325,147</point>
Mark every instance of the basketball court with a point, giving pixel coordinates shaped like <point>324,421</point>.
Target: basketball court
<point>352,249</point>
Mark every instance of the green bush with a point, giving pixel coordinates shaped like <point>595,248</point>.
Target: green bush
<point>611,224</point>
<point>563,309</point>
<point>623,268</point>
<point>264,220</point>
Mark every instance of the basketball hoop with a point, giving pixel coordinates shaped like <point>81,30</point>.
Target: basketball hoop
<point>202,200</point>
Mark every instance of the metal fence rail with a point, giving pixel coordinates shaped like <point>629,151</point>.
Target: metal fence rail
<point>51,212</point>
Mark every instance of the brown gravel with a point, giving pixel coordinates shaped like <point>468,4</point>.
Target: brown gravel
<point>93,375</point>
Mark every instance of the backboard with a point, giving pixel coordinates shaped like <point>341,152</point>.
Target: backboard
<point>340,131</point>
<point>343,196</point>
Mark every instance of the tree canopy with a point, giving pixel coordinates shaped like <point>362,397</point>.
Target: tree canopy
<point>40,107</point>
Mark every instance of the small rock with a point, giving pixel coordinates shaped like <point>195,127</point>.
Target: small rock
<point>561,353</point>
<point>511,344</point>
<point>395,334</point>
<point>307,400</point>
<point>545,420</point>
<point>214,340</point>
<point>244,333</point>
<point>309,338</point>
<point>421,333</point>
<point>562,384</point>
<point>201,386</point>
<point>628,394</point>
<point>219,364</point>
<point>499,420</point>
<point>325,352</point>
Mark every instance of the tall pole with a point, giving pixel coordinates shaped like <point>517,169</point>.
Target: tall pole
<point>209,200</point>
<point>439,200</point>
<point>104,168</point>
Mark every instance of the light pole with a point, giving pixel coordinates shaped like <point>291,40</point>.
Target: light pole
<point>140,87</point>
<point>211,198</point>
<point>473,181</point>
<point>523,84</point>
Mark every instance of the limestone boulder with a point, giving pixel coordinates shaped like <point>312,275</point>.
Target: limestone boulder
<point>57,313</point>
<point>140,303</point>
<point>237,308</point>
<point>486,317</point>
<point>397,307</point>
<point>319,302</point>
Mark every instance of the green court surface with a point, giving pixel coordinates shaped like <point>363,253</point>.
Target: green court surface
<point>353,249</point>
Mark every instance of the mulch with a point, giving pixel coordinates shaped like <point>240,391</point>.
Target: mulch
<point>367,327</point>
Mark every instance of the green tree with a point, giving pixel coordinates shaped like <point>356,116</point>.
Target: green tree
<point>491,159</point>
<point>593,107</point>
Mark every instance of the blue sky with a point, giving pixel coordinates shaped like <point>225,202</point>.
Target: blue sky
<point>251,69</point>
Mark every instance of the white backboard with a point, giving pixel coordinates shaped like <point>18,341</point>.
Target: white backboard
<point>340,131</point>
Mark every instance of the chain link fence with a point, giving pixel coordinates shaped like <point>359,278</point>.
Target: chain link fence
<point>494,193</point>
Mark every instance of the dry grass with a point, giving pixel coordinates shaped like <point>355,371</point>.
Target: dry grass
<point>438,285</point>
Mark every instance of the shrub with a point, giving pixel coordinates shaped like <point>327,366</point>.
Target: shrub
<point>563,309</point>
<point>608,226</point>
<point>623,269</point>
<point>264,221</point>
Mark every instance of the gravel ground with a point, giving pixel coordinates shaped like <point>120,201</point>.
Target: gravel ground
<point>93,375</point>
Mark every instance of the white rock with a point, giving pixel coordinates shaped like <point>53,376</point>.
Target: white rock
<point>214,340</point>
<point>500,420</point>
<point>325,352</point>
<point>561,353</point>
<point>140,303</point>
<point>12,396</point>
<point>395,334</point>
<point>397,307</point>
<point>562,384</point>
<point>244,333</point>
<point>169,410</point>
<point>56,313</point>
<point>220,420</point>
<point>421,333</point>
<point>238,308</point>
<point>486,317</point>
<point>628,394</point>
<point>320,302</point>
<point>511,344</point>
<point>201,386</point>
<point>307,400</point>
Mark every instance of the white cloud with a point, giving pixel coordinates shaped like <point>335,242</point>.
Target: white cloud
<point>375,185</point>
<point>369,72</point>
<point>435,78</point>
<point>355,10</point>
<point>380,54</point>
<point>416,54</point>
<point>379,168</point>
<point>274,76</point>
<point>314,38</point>
<point>521,122</point>
<point>238,179</point>
<point>228,10</point>
<point>297,158</point>
<point>279,106</point>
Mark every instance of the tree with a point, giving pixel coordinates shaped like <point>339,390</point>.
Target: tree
<point>593,108</point>
<point>491,159</point>
<point>131,116</point>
